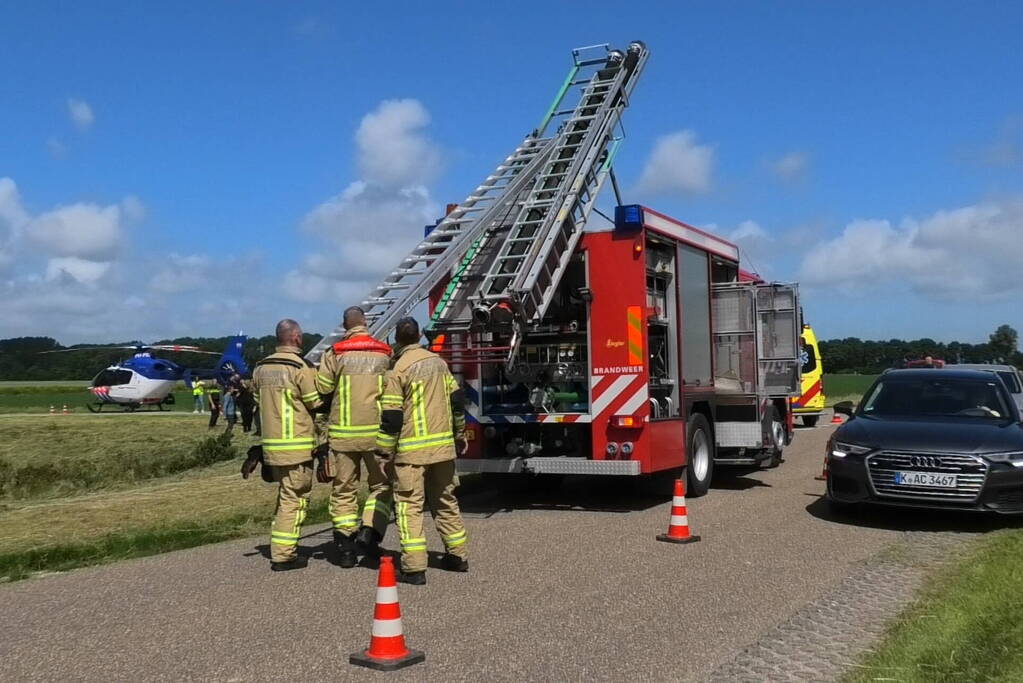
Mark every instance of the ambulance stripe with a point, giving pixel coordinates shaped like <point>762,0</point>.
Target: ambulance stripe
<point>634,316</point>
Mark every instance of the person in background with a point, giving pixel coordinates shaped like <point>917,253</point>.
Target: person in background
<point>199,395</point>
<point>246,403</point>
<point>229,402</point>
<point>214,394</point>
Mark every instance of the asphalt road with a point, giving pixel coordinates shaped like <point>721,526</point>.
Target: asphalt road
<point>567,586</point>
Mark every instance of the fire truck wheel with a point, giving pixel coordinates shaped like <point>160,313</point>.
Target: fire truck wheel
<point>776,432</point>
<point>700,452</point>
<point>810,420</point>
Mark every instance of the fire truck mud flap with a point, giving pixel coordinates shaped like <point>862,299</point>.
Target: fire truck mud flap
<point>551,465</point>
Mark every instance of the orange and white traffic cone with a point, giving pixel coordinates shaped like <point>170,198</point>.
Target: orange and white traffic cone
<point>678,523</point>
<point>53,410</point>
<point>823,476</point>
<point>387,650</point>
<point>64,410</point>
<point>835,419</point>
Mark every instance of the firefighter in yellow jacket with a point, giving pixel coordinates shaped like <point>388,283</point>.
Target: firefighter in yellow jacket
<point>353,370</point>
<point>422,424</point>
<point>284,386</point>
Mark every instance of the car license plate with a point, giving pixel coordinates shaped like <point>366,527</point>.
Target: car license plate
<point>935,479</point>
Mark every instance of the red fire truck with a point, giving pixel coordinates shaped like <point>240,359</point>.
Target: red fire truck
<point>630,346</point>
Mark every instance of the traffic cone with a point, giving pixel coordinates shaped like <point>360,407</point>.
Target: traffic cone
<point>64,410</point>
<point>835,419</point>
<point>387,650</point>
<point>678,523</point>
<point>823,476</point>
<point>53,410</point>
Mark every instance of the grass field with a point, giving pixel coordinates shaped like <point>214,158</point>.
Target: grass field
<point>846,387</point>
<point>86,489</point>
<point>965,626</point>
<point>38,397</point>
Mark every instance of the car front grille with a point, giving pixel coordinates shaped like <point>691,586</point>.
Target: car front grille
<point>970,472</point>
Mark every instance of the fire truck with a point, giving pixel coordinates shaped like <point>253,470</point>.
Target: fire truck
<point>630,344</point>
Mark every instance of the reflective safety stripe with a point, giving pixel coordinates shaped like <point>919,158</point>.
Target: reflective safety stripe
<point>414,544</point>
<point>391,399</point>
<point>355,430</point>
<point>287,414</point>
<point>345,521</point>
<point>679,520</point>
<point>291,447</point>
<point>418,409</point>
<point>325,383</point>
<point>281,541</point>
<point>374,504</point>
<point>283,534</point>
<point>387,595</point>
<point>406,445</point>
<point>303,503</point>
<point>455,539</point>
<point>380,391</point>
<point>298,439</point>
<point>678,501</point>
<point>386,440</point>
<point>310,397</point>
<point>344,397</point>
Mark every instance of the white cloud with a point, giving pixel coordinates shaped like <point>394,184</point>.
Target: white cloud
<point>967,254</point>
<point>791,167</point>
<point>13,218</point>
<point>81,230</point>
<point>392,150</point>
<point>372,223</point>
<point>81,114</point>
<point>678,164</point>
<point>80,270</point>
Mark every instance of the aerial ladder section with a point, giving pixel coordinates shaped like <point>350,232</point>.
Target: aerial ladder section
<point>501,253</point>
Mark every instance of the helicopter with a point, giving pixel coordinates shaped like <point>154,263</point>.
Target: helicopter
<point>145,380</point>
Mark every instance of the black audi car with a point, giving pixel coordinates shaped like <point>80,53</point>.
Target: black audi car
<point>930,438</point>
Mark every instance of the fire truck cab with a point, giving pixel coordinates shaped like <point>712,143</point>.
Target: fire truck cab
<point>654,355</point>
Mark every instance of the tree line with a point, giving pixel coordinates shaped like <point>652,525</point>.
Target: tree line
<point>866,357</point>
<point>24,358</point>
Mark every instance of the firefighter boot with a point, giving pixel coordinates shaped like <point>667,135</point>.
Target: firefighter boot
<point>412,578</point>
<point>346,555</point>
<point>367,542</point>
<point>454,563</point>
<point>300,562</point>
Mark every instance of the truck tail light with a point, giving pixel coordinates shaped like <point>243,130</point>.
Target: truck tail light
<point>627,421</point>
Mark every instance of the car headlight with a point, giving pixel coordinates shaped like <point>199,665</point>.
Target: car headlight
<point>1014,458</point>
<point>840,450</point>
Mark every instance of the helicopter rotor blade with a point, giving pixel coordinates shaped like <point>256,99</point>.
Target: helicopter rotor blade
<point>93,348</point>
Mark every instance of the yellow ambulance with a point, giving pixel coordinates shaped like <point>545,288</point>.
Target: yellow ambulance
<point>809,406</point>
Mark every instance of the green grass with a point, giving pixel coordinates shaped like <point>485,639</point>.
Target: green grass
<point>140,542</point>
<point>73,454</point>
<point>965,625</point>
<point>39,399</point>
<point>846,387</point>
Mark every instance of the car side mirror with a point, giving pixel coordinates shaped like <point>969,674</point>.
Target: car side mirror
<point>845,407</point>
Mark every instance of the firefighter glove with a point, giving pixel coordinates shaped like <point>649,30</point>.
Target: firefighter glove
<point>253,458</point>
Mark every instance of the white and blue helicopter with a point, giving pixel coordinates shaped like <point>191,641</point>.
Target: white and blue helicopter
<point>145,380</point>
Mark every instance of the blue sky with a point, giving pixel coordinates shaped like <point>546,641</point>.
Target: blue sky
<point>188,168</point>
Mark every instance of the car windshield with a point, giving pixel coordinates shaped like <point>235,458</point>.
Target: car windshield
<point>936,397</point>
<point>1011,381</point>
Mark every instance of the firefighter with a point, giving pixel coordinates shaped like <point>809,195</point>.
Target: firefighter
<point>284,386</point>
<point>353,371</point>
<point>421,425</point>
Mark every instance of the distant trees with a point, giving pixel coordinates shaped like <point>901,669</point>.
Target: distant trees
<point>1003,341</point>
<point>854,355</point>
<point>21,358</point>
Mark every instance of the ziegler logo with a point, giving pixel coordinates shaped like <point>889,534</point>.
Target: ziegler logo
<point>924,461</point>
<point>614,344</point>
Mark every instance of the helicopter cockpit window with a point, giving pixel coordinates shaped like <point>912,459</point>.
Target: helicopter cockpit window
<point>110,378</point>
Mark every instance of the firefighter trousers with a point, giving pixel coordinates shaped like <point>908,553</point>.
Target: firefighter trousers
<point>433,485</point>
<point>296,483</point>
<point>344,503</point>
